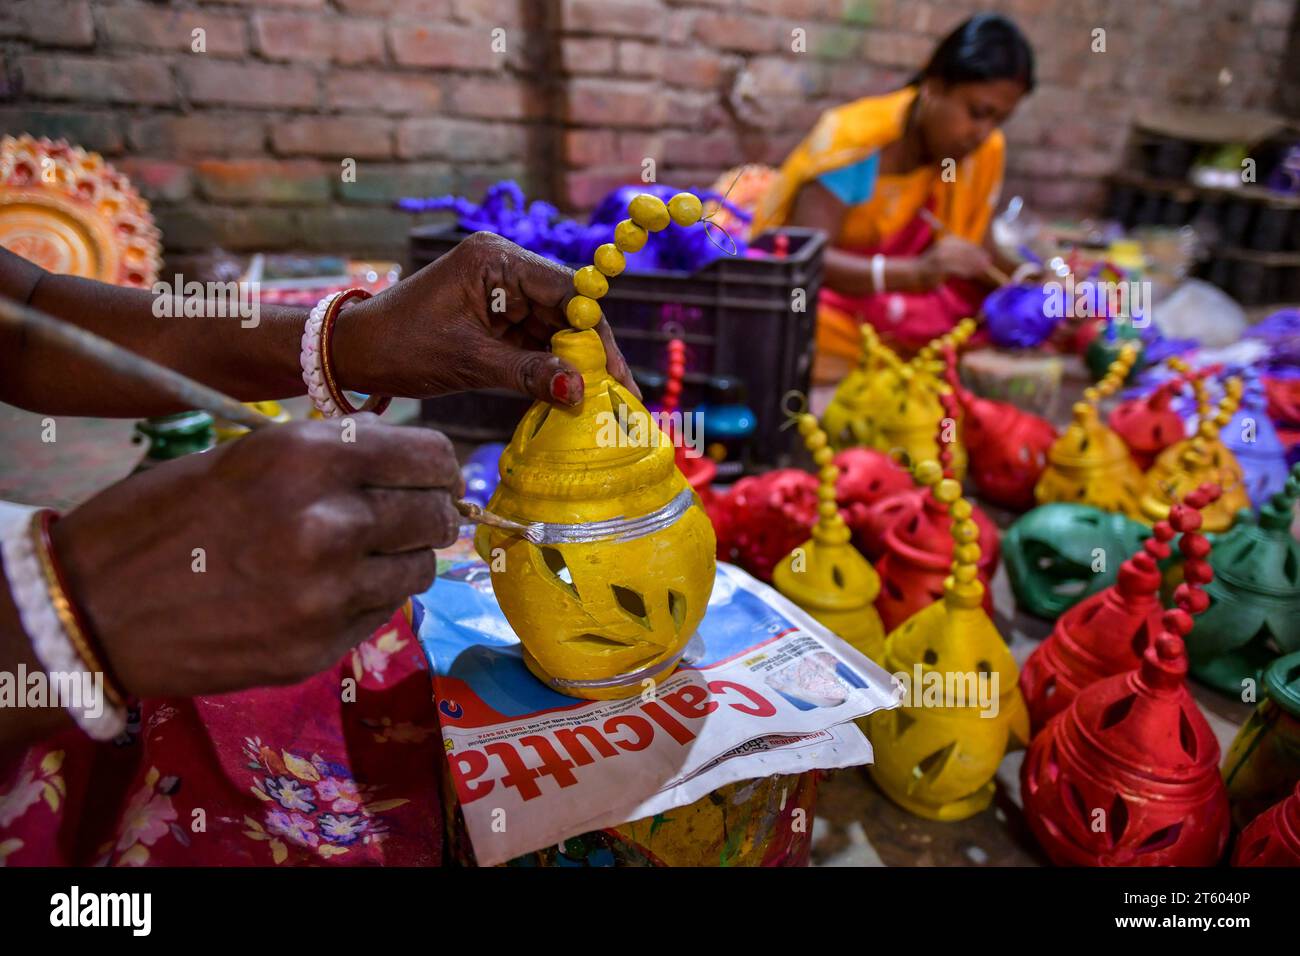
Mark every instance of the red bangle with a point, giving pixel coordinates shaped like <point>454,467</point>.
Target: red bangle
<point>375,403</point>
<point>70,616</point>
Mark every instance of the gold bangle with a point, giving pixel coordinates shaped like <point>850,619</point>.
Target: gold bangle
<point>63,607</point>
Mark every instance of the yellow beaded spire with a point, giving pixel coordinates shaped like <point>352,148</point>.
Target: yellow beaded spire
<point>1089,464</point>
<point>907,408</point>
<point>937,754</point>
<point>647,214</point>
<point>826,575</point>
<point>847,419</point>
<point>1187,464</point>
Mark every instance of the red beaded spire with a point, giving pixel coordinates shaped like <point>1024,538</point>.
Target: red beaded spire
<point>1108,633</point>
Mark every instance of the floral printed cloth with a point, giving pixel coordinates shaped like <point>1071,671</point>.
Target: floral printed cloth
<point>341,769</point>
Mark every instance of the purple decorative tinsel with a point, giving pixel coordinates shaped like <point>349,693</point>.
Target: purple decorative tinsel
<point>539,227</point>
<point>1017,316</point>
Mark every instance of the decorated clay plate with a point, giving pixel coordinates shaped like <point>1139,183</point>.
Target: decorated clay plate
<point>70,212</point>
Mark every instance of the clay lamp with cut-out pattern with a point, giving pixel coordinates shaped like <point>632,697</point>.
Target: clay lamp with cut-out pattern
<point>1196,460</point>
<point>937,753</point>
<point>1264,758</point>
<point>1128,774</point>
<point>1007,447</point>
<point>909,537</point>
<point>1273,837</point>
<point>622,575</point>
<point>1108,633</point>
<point>1051,555</point>
<point>1089,464</point>
<point>1254,612</point>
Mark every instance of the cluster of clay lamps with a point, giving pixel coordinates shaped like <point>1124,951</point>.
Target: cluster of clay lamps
<point>891,405</point>
<point>615,577</point>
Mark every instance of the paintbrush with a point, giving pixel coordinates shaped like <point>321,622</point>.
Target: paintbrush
<point>994,274</point>
<point>188,392</point>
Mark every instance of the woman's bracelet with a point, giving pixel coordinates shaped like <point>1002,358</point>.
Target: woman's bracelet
<point>315,358</point>
<point>71,664</point>
<point>878,272</point>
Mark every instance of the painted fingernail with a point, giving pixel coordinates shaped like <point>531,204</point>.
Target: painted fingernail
<point>563,388</point>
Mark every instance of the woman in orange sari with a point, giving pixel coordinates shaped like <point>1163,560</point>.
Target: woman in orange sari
<point>870,170</point>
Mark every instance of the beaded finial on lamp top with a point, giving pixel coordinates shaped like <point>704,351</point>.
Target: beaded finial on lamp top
<point>826,575</point>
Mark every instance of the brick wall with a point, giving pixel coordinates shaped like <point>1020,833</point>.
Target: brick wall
<point>242,145</point>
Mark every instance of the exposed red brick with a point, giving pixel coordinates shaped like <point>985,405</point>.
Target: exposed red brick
<point>158,28</point>
<point>48,22</point>
<point>381,182</point>
<point>730,31</point>
<point>397,93</point>
<point>633,103</point>
<point>589,147</point>
<point>266,181</point>
<point>584,188</point>
<point>207,80</point>
<point>635,147</point>
<point>433,45</point>
<point>361,137</point>
<point>715,150</point>
<point>429,9</point>
<point>298,36</point>
<point>158,180</point>
<point>459,139</point>
<point>133,81</point>
<point>613,17</point>
<point>495,99</point>
<point>693,67</point>
<point>895,48</point>
<point>101,132</point>
<point>640,59</point>
<point>301,4</point>
<point>587,55</point>
<point>505,13</point>
<point>201,136</point>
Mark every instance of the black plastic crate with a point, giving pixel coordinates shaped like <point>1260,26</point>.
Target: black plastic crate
<point>736,317</point>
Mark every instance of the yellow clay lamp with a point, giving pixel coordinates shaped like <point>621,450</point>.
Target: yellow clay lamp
<point>826,575</point>
<point>1089,464</point>
<point>909,406</point>
<point>848,418</point>
<point>615,574</point>
<point>1201,459</point>
<point>936,754</point>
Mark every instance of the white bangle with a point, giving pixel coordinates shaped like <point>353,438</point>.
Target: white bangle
<point>311,360</point>
<point>878,272</point>
<point>50,642</point>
